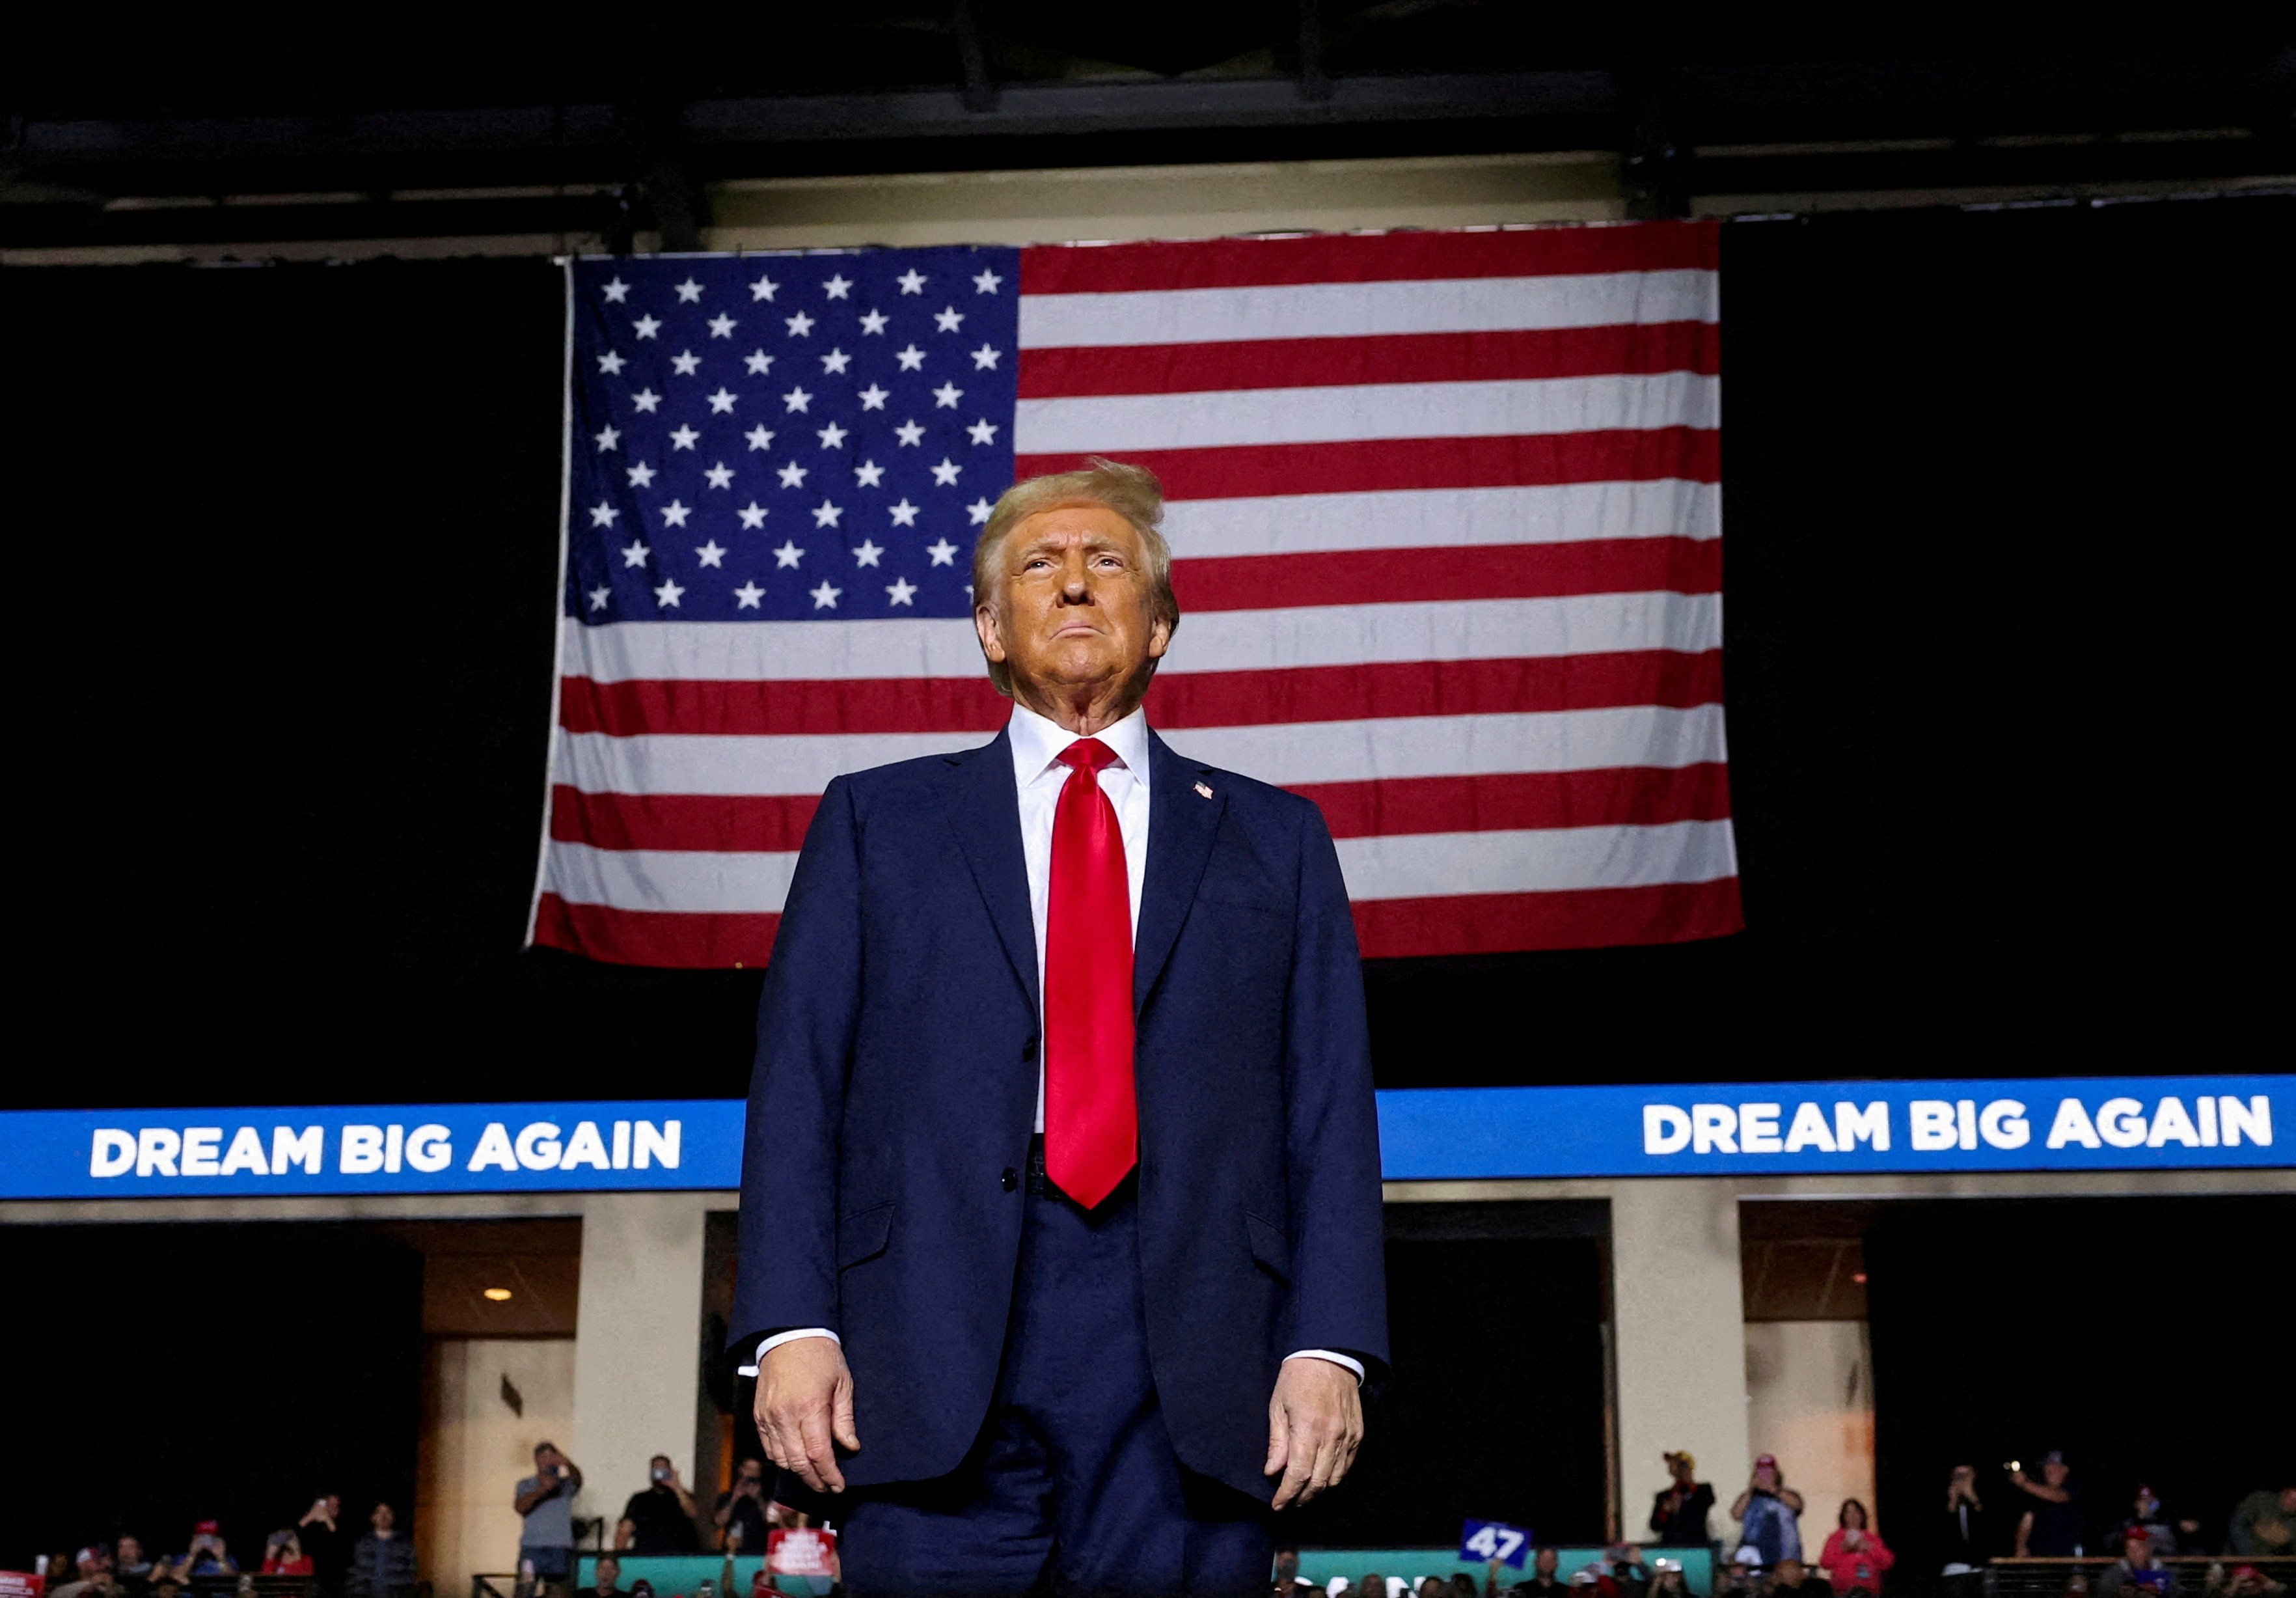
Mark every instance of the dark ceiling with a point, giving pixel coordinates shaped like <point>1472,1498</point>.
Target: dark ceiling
<point>344,131</point>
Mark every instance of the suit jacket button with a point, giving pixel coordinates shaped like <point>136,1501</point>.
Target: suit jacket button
<point>1010,1180</point>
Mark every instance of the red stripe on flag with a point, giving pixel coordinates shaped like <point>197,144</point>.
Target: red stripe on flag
<point>694,941</point>
<point>716,823</point>
<point>1496,924</point>
<point>1385,257</point>
<point>1383,359</point>
<point>1363,576</point>
<point>1392,688</point>
<point>1252,471</point>
<point>753,709</point>
<point>1625,795</point>
<point>1215,699</point>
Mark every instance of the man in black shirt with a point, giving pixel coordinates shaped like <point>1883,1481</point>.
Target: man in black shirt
<point>744,1513</point>
<point>609,1583</point>
<point>1678,1515</point>
<point>2052,1528</point>
<point>1543,1582</point>
<point>1792,1579</point>
<point>663,1514</point>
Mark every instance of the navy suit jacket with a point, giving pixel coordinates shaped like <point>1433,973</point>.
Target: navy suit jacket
<point>896,1088</point>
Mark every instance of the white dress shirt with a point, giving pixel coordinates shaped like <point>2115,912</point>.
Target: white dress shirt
<point>1038,774</point>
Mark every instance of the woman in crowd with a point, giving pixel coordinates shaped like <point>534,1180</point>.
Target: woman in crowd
<point>1855,1556</point>
<point>283,1555</point>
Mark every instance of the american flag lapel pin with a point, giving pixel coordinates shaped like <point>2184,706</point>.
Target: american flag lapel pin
<point>1205,788</point>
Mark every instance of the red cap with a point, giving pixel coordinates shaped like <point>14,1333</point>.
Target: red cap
<point>2139,1534</point>
<point>1770,1460</point>
<point>2246,1573</point>
<point>207,1528</point>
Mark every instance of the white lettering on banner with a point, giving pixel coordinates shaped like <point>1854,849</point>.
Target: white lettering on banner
<point>1713,1129</point>
<point>429,1147</point>
<point>1964,1123</point>
<point>1809,1130</point>
<point>155,1151</point>
<point>658,1142</point>
<point>394,1147</point>
<point>2120,1122</point>
<point>362,1151</point>
<point>585,1147</point>
<point>111,1152</point>
<point>1929,1125</point>
<point>1873,1125</point>
<point>307,1149</point>
<point>246,1153</point>
<point>538,1145</point>
<point>621,1145</point>
<point>2003,1124</point>
<point>203,1150</point>
<point>2170,1121</point>
<point>2208,1109</point>
<point>1665,1131</point>
<point>1757,1128</point>
<point>494,1150</point>
<point>2254,1119</point>
<point>2072,1125</point>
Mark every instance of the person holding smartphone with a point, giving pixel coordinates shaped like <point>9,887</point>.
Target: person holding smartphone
<point>546,1501</point>
<point>663,1512</point>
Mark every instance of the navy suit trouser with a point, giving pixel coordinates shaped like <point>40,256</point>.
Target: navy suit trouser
<point>1073,1489</point>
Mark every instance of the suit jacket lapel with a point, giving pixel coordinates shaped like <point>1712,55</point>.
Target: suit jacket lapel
<point>984,812</point>
<point>1182,824</point>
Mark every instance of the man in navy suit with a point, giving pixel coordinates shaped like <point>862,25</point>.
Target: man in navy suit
<point>1061,1185</point>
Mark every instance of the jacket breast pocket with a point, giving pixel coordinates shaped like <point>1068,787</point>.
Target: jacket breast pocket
<point>1270,1248</point>
<point>864,1234</point>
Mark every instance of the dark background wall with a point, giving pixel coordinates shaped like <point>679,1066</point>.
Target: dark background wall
<point>168,1374</point>
<point>2140,1336</point>
<point>2004,562</point>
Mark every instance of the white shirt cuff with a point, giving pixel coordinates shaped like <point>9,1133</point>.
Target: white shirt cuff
<point>1337,1359</point>
<point>779,1338</point>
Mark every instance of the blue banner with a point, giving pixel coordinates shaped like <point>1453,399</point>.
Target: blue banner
<point>1780,1129</point>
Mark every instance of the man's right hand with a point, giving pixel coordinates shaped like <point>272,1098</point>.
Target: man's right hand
<point>805,1408</point>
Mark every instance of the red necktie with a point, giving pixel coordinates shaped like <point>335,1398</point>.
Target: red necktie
<point>1092,1122</point>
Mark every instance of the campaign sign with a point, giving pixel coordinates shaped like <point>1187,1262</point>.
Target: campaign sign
<point>1483,1540</point>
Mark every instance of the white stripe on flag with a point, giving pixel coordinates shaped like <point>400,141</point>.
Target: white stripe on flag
<point>1461,629</point>
<point>676,880</point>
<point>1420,517</point>
<point>1226,418</point>
<point>1425,865</point>
<point>1465,629</point>
<point>743,652</point>
<point>1287,753</point>
<point>1355,309</point>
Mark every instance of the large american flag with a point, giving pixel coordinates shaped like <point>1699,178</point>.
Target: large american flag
<point>1446,524</point>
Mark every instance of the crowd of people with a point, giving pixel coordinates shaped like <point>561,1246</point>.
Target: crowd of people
<point>2042,1514</point>
<point>322,1552</point>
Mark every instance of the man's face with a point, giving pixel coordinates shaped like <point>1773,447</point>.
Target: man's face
<point>1287,1563</point>
<point>1546,1561</point>
<point>382,1519</point>
<point>1072,606</point>
<point>131,1550</point>
<point>1790,1572</point>
<point>751,1472</point>
<point>659,1468</point>
<point>2055,1472</point>
<point>610,1575</point>
<point>545,1460</point>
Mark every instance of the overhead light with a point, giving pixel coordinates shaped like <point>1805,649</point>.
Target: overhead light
<point>498,1293</point>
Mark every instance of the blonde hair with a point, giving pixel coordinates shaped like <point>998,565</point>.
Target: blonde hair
<point>1132,492</point>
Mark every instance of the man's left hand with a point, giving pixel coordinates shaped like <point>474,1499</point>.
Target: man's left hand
<point>1315,1425</point>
